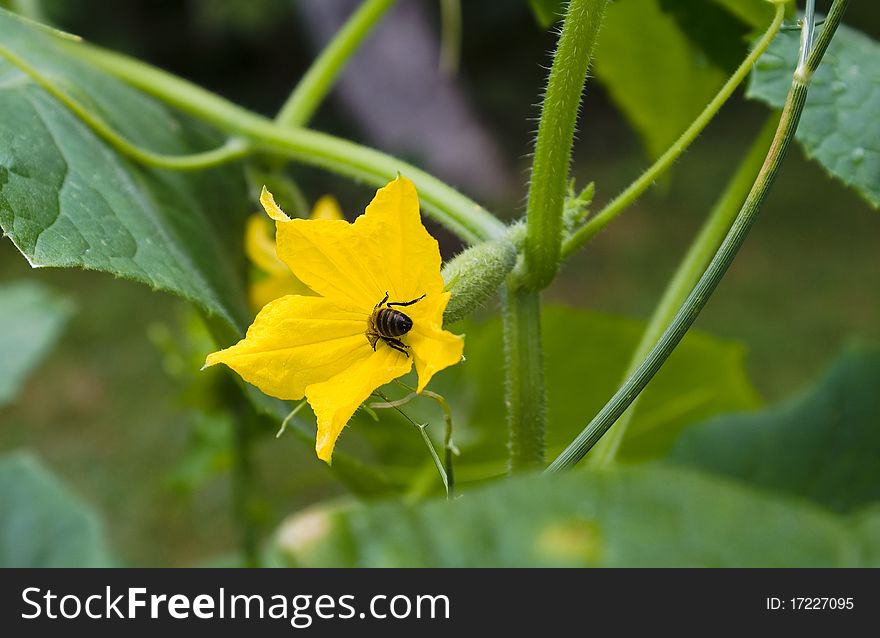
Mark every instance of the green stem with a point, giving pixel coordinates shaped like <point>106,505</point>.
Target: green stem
<point>319,79</point>
<point>243,476</point>
<point>649,177</point>
<point>457,212</point>
<point>688,312</point>
<point>686,276</point>
<point>450,36</point>
<point>448,445</point>
<point>232,150</point>
<point>524,392</point>
<point>549,179</point>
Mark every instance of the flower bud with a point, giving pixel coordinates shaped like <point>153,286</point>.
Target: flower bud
<point>474,275</point>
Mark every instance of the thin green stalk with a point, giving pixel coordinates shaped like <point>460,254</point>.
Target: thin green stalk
<point>232,150</point>
<point>635,190</point>
<point>450,36</point>
<point>524,368</point>
<point>448,446</point>
<point>457,212</point>
<point>243,488</point>
<point>319,79</point>
<point>422,428</point>
<point>698,297</point>
<point>550,164</point>
<point>686,276</point>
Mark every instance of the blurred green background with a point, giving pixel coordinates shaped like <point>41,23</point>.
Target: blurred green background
<point>104,413</point>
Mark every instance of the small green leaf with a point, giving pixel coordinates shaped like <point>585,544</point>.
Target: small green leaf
<point>654,74</point>
<point>637,516</point>
<point>712,28</point>
<point>755,13</point>
<point>31,319</point>
<point>68,199</point>
<point>548,12</point>
<point>822,445</point>
<point>840,127</point>
<point>43,524</point>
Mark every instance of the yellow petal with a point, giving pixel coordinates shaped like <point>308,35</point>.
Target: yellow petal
<point>335,401</point>
<point>296,341</point>
<point>272,209</point>
<point>385,249</point>
<point>433,348</point>
<point>274,286</point>
<point>326,208</point>
<point>259,245</point>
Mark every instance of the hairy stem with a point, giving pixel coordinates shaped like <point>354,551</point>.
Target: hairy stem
<point>319,79</point>
<point>524,367</point>
<point>688,312</point>
<point>457,212</point>
<point>647,179</point>
<point>232,150</point>
<point>549,179</point>
<point>686,276</point>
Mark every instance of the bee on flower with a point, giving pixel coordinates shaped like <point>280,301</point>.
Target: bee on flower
<point>371,306</point>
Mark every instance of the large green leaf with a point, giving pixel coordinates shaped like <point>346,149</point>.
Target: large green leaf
<point>823,445</point>
<point>645,516</point>
<point>31,318</point>
<point>654,74</point>
<point>586,355</point>
<point>43,524</point>
<point>68,199</point>
<point>840,127</point>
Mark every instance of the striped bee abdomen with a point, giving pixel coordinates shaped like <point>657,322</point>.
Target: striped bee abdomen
<point>392,323</point>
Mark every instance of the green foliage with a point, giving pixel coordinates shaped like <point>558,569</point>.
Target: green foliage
<point>586,354</point>
<point>839,128</point>
<point>43,524</point>
<point>712,28</point>
<point>68,199</point>
<point>548,12</point>
<point>654,74</point>
<point>31,319</point>
<point>822,445</point>
<point>646,516</point>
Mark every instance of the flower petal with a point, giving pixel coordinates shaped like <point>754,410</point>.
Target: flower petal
<point>433,348</point>
<point>335,401</point>
<point>387,249</point>
<point>272,209</point>
<point>259,245</point>
<point>296,341</point>
<point>326,208</point>
<point>277,285</point>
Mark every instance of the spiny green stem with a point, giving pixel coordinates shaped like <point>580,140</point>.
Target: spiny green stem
<point>549,178</point>
<point>524,367</point>
<point>319,79</point>
<point>232,150</point>
<point>686,276</point>
<point>698,297</point>
<point>648,178</point>
<point>457,212</point>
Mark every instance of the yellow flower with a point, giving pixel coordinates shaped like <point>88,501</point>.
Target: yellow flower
<point>338,346</point>
<point>259,245</point>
